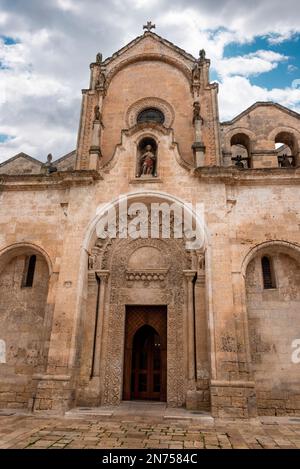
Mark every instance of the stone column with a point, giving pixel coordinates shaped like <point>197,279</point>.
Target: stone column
<point>103,276</point>
<point>191,397</point>
<point>201,339</point>
<point>89,393</point>
<point>90,324</point>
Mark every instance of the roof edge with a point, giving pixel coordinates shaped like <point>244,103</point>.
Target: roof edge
<point>135,41</point>
<point>261,104</point>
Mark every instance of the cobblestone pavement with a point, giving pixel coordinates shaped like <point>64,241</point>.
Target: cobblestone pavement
<point>32,432</point>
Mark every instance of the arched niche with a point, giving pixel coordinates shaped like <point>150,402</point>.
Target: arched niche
<point>147,154</point>
<point>273,304</point>
<point>24,316</point>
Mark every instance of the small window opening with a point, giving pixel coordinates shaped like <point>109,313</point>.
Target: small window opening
<point>29,272</point>
<point>151,115</point>
<point>268,273</point>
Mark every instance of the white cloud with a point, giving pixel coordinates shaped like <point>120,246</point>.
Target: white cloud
<point>278,38</point>
<point>68,5</point>
<point>251,64</point>
<point>237,94</point>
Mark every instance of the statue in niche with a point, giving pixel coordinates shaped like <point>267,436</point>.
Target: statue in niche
<point>196,72</point>
<point>91,263</point>
<point>97,115</point>
<point>147,162</point>
<point>101,80</point>
<point>196,112</point>
<point>201,262</point>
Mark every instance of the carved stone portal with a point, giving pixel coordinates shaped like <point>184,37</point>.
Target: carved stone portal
<point>140,272</point>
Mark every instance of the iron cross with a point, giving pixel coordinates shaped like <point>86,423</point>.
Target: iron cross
<point>149,26</point>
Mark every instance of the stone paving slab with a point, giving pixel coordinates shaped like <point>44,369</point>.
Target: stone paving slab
<point>42,432</point>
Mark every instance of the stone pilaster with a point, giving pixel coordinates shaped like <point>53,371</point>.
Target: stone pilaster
<point>191,397</point>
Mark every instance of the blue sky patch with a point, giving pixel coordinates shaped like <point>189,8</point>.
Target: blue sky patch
<point>9,41</point>
<point>286,71</point>
<point>5,138</point>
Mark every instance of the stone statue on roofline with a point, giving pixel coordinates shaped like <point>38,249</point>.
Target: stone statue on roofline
<point>99,58</point>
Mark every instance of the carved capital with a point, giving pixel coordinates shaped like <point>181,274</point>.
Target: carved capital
<point>102,275</point>
<point>189,275</point>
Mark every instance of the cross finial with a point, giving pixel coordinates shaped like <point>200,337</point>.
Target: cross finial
<point>149,26</point>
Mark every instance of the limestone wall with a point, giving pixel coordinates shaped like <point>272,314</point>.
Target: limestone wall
<point>274,324</point>
<point>22,314</point>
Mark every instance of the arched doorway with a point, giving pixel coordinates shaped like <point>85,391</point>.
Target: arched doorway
<point>145,359</point>
<point>146,364</point>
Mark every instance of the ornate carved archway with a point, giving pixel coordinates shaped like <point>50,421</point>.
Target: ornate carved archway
<point>141,272</point>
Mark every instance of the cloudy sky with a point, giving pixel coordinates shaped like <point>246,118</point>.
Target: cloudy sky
<point>46,47</point>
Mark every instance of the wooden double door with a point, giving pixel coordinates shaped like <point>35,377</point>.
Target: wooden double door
<point>145,357</point>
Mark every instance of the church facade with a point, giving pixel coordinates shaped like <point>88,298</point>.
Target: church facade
<point>91,318</point>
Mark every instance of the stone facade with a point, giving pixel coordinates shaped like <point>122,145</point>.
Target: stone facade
<point>229,334</point>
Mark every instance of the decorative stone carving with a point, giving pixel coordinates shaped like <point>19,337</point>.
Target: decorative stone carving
<point>116,260</point>
<point>146,275</point>
<point>91,262</point>
<point>149,26</point>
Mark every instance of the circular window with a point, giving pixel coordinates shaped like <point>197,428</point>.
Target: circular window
<point>151,115</point>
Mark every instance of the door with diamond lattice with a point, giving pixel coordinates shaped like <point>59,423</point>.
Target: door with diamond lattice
<point>145,353</point>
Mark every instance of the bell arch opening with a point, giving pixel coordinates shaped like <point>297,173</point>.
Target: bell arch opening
<point>287,149</point>
<point>241,150</point>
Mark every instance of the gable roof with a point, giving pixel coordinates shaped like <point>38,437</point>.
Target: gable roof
<point>262,104</point>
<point>64,157</point>
<point>34,160</point>
<point>156,37</point>
<point>21,155</point>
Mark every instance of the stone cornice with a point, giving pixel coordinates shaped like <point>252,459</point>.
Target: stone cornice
<point>261,176</point>
<point>54,181</point>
